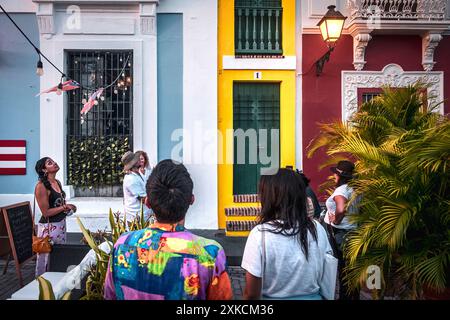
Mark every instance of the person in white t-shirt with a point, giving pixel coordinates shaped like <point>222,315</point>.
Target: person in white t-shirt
<point>338,215</point>
<point>133,188</point>
<point>284,254</point>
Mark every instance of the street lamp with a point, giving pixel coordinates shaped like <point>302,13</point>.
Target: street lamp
<point>330,26</point>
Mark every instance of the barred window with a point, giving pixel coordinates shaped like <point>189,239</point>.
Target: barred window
<point>96,141</point>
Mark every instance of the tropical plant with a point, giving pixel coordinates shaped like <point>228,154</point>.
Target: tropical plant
<point>97,275</point>
<point>401,148</point>
<point>46,290</point>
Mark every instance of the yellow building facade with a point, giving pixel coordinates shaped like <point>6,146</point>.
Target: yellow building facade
<point>256,46</point>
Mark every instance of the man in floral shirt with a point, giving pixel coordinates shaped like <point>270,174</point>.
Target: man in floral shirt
<point>165,261</point>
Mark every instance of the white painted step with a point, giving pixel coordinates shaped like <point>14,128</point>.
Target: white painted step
<point>93,212</point>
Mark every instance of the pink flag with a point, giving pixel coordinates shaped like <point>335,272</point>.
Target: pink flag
<point>66,86</point>
<point>91,102</point>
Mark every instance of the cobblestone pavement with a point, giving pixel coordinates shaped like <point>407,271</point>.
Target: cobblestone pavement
<point>9,282</point>
<point>237,276</point>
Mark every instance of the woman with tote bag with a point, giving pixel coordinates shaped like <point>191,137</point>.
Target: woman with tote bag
<point>287,255</point>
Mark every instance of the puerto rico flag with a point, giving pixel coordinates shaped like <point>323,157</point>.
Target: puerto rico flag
<point>13,157</point>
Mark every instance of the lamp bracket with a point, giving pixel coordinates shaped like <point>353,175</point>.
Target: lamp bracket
<point>321,62</point>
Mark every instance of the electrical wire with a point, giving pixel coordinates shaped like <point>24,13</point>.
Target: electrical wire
<point>63,75</point>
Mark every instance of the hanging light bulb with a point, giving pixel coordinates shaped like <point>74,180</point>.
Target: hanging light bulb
<point>116,91</point>
<point>123,74</point>
<point>102,98</point>
<point>96,102</point>
<point>39,68</point>
<point>83,101</point>
<point>126,88</point>
<point>129,79</point>
<point>129,64</point>
<point>59,90</point>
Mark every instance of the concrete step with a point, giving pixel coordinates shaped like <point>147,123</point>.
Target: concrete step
<point>245,198</point>
<point>242,211</point>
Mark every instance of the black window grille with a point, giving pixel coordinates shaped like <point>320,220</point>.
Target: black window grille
<point>258,26</point>
<point>366,97</point>
<point>96,141</point>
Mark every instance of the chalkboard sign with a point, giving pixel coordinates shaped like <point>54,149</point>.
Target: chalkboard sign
<point>19,224</point>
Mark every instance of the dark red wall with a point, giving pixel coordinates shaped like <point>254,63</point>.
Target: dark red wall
<point>322,95</point>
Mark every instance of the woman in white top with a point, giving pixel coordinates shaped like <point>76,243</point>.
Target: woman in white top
<point>284,254</point>
<point>338,215</point>
<point>134,191</point>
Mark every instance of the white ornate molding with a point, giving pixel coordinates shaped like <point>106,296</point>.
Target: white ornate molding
<point>46,19</point>
<point>391,75</point>
<point>360,42</point>
<point>148,18</point>
<point>429,43</point>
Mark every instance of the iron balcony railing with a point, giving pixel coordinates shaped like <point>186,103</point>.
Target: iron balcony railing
<point>397,9</point>
<point>258,25</point>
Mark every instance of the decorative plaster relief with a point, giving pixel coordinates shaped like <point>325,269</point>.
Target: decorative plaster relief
<point>391,75</point>
<point>429,43</point>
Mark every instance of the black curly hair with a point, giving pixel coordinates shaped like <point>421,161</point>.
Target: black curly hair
<point>169,191</point>
<point>42,177</point>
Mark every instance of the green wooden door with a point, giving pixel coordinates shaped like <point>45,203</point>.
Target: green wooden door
<point>255,106</point>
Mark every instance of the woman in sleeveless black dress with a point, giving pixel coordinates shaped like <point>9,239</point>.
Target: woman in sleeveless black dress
<point>51,200</point>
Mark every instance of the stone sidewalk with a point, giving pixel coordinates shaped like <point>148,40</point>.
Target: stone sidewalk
<point>9,282</point>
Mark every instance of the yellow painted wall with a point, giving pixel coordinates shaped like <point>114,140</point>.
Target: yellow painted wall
<point>286,78</point>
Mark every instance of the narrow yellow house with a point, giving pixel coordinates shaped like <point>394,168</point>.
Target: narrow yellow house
<point>256,107</point>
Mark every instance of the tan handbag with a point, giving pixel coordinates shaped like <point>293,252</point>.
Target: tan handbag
<point>40,244</point>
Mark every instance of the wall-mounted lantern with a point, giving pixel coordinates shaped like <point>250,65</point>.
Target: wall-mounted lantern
<point>331,26</point>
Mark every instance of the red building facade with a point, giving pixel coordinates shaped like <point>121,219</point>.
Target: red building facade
<point>397,52</point>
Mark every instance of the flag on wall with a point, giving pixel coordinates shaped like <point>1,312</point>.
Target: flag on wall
<point>13,157</point>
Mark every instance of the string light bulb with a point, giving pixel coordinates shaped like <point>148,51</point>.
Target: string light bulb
<point>102,98</point>
<point>116,91</point>
<point>83,101</point>
<point>96,102</point>
<point>39,68</point>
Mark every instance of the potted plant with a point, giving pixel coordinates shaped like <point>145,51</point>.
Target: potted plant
<point>401,150</point>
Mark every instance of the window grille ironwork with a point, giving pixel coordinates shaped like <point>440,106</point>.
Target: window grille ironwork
<point>96,143</point>
<point>258,25</point>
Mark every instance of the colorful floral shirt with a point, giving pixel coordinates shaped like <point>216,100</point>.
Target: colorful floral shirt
<point>167,262</point>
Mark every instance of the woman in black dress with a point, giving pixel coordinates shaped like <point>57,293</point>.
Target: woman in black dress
<point>50,198</point>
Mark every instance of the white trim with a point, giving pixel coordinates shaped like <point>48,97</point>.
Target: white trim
<point>285,63</point>
<point>53,107</point>
<point>12,150</point>
<point>392,75</point>
<point>18,6</point>
<point>199,105</point>
<point>13,164</point>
